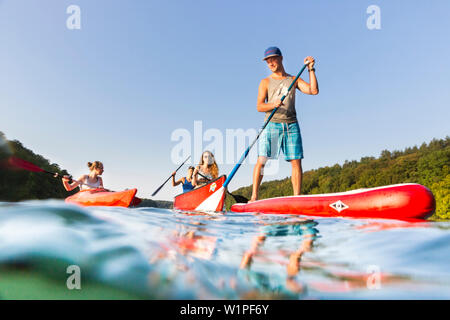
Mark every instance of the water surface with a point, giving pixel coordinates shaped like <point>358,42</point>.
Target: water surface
<point>154,253</point>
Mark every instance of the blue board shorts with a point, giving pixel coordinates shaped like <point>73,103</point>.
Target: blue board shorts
<point>281,136</point>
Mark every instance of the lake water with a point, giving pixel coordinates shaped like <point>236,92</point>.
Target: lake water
<point>52,250</point>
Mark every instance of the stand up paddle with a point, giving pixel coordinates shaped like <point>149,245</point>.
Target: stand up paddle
<point>157,190</point>
<point>212,205</point>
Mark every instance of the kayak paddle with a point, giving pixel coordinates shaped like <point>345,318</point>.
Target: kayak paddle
<point>20,163</point>
<point>157,190</point>
<point>216,196</point>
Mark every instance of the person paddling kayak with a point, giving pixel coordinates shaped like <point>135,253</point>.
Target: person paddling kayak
<point>283,131</point>
<point>186,182</point>
<point>87,181</point>
<point>207,170</point>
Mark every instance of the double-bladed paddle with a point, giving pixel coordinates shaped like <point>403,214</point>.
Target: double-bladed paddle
<point>22,164</point>
<point>157,190</point>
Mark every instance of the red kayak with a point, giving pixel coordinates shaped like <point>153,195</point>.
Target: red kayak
<point>200,198</point>
<point>100,197</point>
<point>401,201</point>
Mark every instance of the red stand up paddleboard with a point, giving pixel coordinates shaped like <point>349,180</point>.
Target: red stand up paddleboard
<point>401,201</point>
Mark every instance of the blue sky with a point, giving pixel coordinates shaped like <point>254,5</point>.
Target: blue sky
<point>136,71</point>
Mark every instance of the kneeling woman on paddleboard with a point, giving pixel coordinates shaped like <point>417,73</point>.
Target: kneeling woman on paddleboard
<point>206,171</point>
<point>87,181</point>
<point>187,182</point>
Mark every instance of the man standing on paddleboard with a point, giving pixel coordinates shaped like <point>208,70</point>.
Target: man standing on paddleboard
<point>283,131</point>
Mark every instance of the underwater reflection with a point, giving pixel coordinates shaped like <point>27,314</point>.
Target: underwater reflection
<point>305,231</point>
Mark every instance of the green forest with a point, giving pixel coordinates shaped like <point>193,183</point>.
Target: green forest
<point>427,165</point>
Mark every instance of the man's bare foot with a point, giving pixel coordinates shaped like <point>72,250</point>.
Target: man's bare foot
<point>253,199</point>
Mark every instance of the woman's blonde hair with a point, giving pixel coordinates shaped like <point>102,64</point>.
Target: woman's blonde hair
<point>213,167</point>
<point>94,165</point>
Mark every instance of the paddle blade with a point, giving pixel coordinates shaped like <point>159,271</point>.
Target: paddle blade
<point>22,164</point>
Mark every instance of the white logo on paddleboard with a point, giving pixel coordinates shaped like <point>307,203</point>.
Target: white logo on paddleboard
<point>212,187</point>
<point>339,206</point>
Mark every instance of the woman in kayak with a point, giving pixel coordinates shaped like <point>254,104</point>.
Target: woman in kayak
<point>87,181</point>
<point>207,170</point>
<point>186,182</point>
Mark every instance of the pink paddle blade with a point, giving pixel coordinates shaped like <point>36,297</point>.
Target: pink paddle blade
<point>22,164</point>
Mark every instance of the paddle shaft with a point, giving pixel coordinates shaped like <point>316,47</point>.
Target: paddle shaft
<point>157,190</point>
<point>241,160</point>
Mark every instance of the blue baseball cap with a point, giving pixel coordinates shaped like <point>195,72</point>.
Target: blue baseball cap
<point>271,52</point>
